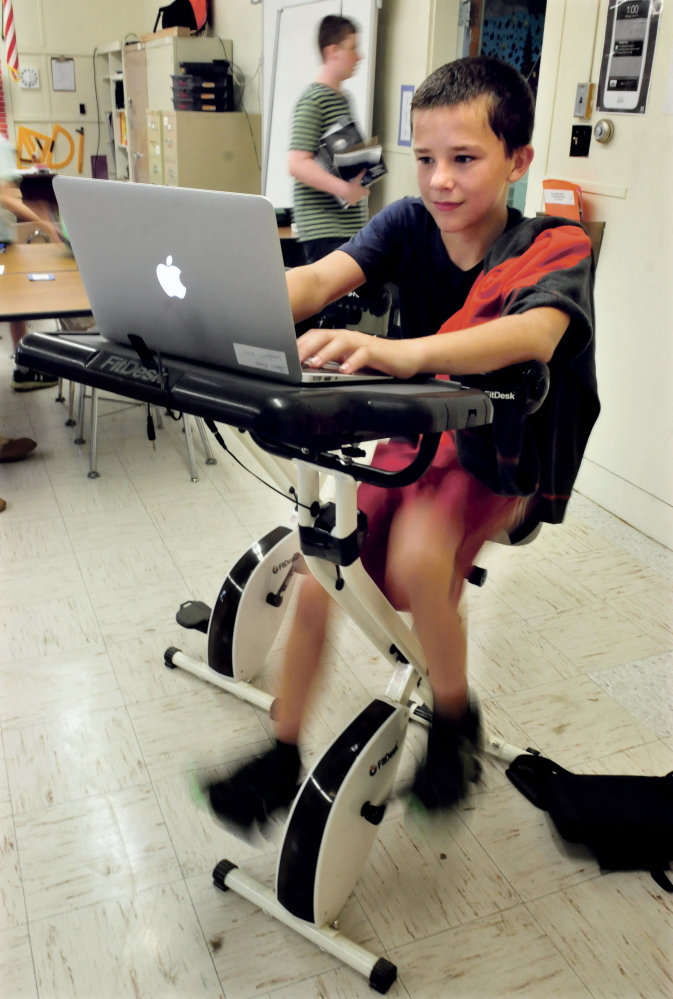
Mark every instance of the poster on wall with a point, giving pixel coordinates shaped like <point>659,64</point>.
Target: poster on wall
<point>628,53</point>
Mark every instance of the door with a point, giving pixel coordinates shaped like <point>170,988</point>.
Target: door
<point>510,30</point>
<point>135,82</point>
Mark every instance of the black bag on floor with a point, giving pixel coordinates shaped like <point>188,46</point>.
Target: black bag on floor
<point>627,822</point>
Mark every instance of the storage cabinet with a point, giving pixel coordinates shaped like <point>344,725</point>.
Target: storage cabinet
<point>109,82</point>
<point>164,55</point>
<point>213,151</point>
<point>135,89</point>
<point>155,153</point>
<point>132,78</point>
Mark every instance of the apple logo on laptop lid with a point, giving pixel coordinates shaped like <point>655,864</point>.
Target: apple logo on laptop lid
<point>169,279</point>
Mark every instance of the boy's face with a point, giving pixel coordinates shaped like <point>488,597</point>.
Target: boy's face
<point>462,167</point>
<point>345,56</point>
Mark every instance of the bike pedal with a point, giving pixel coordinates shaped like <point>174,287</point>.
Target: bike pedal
<point>194,615</point>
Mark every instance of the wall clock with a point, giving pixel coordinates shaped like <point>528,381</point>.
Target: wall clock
<point>30,78</point>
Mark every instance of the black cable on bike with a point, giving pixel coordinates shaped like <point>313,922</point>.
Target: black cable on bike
<point>314,508</point>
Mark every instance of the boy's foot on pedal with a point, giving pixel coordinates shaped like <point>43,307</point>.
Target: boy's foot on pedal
<point>255,791</point>
<point>27,380</point>
<point>451,761</point>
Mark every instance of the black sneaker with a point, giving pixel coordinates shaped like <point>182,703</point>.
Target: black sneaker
<point>28,381</point>
<point>256,791</point>
<point>451,761</point>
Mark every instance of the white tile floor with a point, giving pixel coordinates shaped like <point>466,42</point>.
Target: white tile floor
<point>105,885</point>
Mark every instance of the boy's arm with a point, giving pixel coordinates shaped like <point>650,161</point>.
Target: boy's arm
<point>533,335</point>
<point>303,166</point>
<point>314,286</point>
<point>12,201</point>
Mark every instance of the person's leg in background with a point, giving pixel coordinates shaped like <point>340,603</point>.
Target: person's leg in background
<point>14,448</point>
<point>26,379</point>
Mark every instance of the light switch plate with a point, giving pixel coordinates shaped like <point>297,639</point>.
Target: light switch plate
<point>584,99</point>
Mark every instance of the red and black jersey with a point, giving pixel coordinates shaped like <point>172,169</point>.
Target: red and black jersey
<point>541,262</point>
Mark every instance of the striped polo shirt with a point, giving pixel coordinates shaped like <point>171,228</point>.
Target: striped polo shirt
<point>316,213</point>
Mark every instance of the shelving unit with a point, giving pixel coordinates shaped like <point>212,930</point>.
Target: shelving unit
<point>109,68</point>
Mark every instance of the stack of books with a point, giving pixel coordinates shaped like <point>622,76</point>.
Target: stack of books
<point>343,153</point>
<point>204,86</point>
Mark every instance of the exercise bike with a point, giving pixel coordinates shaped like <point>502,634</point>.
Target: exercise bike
<point>334,818</point>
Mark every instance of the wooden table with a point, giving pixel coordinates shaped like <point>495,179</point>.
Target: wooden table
<point>24,299</point>
<point>24,258</point>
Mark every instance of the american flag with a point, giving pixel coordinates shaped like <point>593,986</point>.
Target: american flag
<point>12,53</point>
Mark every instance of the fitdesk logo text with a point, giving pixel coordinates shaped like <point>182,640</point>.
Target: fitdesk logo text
<point>375,767</point>
<point>284,565</point>
<point>128,368</point>
<point>500,395</point>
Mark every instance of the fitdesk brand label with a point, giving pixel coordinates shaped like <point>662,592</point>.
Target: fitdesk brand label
<point>500,395</point>
<point>375,767</point>
<point>127,367</point>
<point>284,565</point>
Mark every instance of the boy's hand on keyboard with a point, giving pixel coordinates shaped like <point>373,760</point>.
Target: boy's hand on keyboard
<point>354,350</point>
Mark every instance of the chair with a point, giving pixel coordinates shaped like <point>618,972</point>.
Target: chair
<point>93,472</point>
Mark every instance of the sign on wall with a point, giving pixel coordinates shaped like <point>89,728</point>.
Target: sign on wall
<point>628,53</point>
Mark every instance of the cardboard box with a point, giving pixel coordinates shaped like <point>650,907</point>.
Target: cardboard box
<point>177,32</point>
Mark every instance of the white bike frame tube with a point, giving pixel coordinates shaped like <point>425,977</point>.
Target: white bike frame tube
<point>244,691</point>
<point>362,585</point>
<point>360,597</point>
<point>327,938</point>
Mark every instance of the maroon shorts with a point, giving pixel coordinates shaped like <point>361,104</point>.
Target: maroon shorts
<point>479,511</point>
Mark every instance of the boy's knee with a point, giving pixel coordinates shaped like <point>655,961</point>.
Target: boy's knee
<point>312,603</point>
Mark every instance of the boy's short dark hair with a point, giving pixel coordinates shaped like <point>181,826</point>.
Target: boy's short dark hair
<point>333,30</point>
<point>511,105</point>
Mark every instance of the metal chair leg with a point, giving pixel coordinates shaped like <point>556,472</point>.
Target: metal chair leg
<point>93,472</point>
<point>210,460</point>
<point>80,416</point>
<point>70,422</point>
<point>60,397</point>
<point>190,446</point>
<point>159,423</point>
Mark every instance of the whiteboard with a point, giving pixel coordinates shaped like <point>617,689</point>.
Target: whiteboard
<point>291,62</point>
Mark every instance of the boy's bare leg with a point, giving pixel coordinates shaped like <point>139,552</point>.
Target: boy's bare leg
<point>301,662</point>
<point>422,554</point>
<point>420,576</point>
<point>17,329</point>
<point>258,788</point>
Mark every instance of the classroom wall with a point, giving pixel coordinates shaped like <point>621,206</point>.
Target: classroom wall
<point>46,28</point>
<point>415,36</point>
<point>242,22</point>
<point>628,467</point>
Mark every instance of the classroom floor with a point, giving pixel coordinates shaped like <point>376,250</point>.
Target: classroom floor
<point>105,882</point>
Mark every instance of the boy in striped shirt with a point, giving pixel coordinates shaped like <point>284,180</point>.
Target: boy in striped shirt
<point>322,223</point>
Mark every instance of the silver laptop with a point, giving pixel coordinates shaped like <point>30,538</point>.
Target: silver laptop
<point>198,274</point>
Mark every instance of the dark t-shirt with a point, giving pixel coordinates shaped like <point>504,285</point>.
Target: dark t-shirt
<point>535,263</point>
<point>402,244</point>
